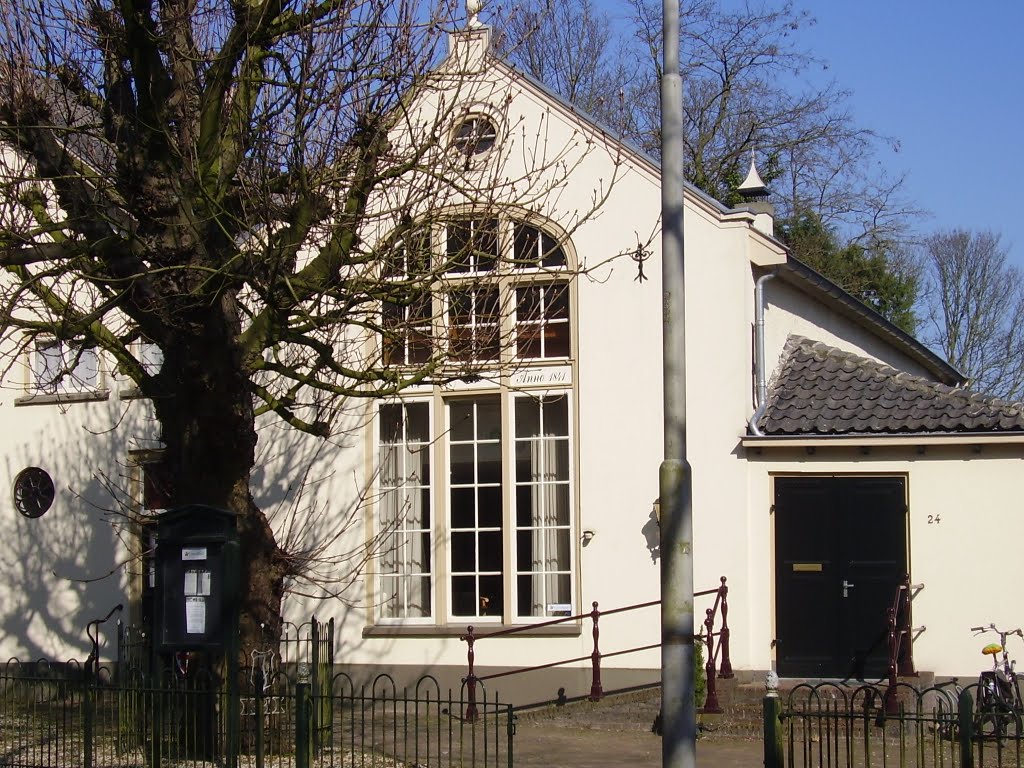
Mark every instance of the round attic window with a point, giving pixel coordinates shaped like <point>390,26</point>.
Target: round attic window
<point>33,492</point>
<point>475,136</point>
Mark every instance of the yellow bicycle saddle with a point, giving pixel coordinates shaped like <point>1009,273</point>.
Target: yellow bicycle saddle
<point>992,649</point>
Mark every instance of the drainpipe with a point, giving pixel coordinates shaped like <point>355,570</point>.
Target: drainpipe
<point>760,376</point>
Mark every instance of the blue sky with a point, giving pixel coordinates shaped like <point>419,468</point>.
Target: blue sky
<point>946,80</point>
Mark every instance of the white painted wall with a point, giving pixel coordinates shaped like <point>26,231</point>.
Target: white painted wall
<point>962,532</point>
<point>311,489</point>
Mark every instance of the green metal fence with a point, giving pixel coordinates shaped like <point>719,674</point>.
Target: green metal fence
<point>828,725</point>
<point>77,715</point>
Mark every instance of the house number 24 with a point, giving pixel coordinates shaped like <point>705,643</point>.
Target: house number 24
<point>934,519</point>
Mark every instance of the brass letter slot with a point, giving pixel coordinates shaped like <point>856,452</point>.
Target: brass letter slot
<point>807,567</point>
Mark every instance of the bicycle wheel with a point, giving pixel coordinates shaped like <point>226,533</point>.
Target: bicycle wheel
<point>997,723</point>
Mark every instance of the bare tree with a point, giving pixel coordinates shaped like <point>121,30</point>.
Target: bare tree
<point>571,48</point>
<point>252,190</point>
<point>973,303</point>
<point>744,90</point>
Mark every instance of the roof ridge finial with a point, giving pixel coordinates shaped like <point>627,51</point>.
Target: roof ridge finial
<point>473,8</point>
<point>753,181</point>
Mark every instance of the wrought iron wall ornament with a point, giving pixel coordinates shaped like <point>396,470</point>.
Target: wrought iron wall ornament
<point>34,492</point>
<point>640,255</point>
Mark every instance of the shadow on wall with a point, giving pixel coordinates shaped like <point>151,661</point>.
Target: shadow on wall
<point>652,535</point>
<point>65,568</point>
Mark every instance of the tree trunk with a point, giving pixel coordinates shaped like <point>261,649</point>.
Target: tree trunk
<point>203,402</point>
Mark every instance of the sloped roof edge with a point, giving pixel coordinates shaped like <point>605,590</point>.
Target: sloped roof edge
<point>493,59</point>
<point>793,271</point>
<point>821,390</point>
<point>801,276</point>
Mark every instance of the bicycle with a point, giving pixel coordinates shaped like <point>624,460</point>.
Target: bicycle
<point>999,706</point>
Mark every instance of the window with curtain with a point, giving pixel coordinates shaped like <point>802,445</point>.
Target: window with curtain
<point>494,292</point>
<point>405,574</point>
<point>59,366</point>
<point>542,506</point>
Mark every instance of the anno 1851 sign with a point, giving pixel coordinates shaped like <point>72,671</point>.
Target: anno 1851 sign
<point>541,377</point>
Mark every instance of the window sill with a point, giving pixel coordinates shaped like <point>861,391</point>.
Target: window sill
<point>63,398</point>
<point>479,630</point>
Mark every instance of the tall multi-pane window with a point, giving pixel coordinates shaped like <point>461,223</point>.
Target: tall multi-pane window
<point>491,292</point>
<point>542,506</point>
<point>405,513</point>
<point>475,506</point>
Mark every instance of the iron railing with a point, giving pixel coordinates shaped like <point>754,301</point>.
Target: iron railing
<point>62,715</point>
<point>707,636</point>
<point>900,637</point>
<point>829,725</point>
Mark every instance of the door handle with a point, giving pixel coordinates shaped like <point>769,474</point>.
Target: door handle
<point>846,587</point>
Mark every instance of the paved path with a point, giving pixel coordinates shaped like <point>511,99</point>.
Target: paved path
<point>617,733</point>
<point>538,745</point>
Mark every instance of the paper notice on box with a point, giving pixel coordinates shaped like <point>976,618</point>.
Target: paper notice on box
<point>197,583</point>
<point>195,615</point>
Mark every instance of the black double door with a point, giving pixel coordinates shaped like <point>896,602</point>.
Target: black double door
<point>840,556</point>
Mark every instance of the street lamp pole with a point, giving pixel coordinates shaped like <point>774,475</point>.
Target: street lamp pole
<point>679,716</point>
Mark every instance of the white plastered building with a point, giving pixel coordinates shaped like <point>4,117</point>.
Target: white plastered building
<point>528,492</point>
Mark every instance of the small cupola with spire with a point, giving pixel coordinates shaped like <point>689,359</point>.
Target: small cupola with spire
<point>754,196</point>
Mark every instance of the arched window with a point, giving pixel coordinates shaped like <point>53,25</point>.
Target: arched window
<point>476,290</point>
<point>490,535</point>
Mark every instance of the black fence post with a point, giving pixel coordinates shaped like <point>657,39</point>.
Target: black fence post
<point>965,716</point>
<point>303,715</point>
<point>88,714</point>
<point>773,737</point>
<point>258,724</point>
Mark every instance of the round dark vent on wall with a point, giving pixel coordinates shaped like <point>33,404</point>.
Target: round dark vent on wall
<point>33,492</point>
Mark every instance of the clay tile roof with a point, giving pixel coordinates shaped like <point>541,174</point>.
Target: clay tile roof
<point>821,390</point>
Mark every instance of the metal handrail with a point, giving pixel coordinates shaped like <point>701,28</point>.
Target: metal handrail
<point>708,635</point>
<point>898,664</point>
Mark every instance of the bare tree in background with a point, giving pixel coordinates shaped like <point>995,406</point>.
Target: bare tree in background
<point>973,305</point>
<point>222,182</point>
<point>744,89</point>
<point>571,48</point>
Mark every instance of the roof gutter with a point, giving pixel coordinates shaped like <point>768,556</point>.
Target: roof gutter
<point>890,440</point>
<point>760,374</point>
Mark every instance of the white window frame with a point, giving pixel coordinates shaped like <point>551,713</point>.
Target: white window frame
<point>507,276</point>
<point>478,531</point>
<point>538,326</point>
<point>380,591</point>
<point>543,546</point>
<point>52,372</point>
